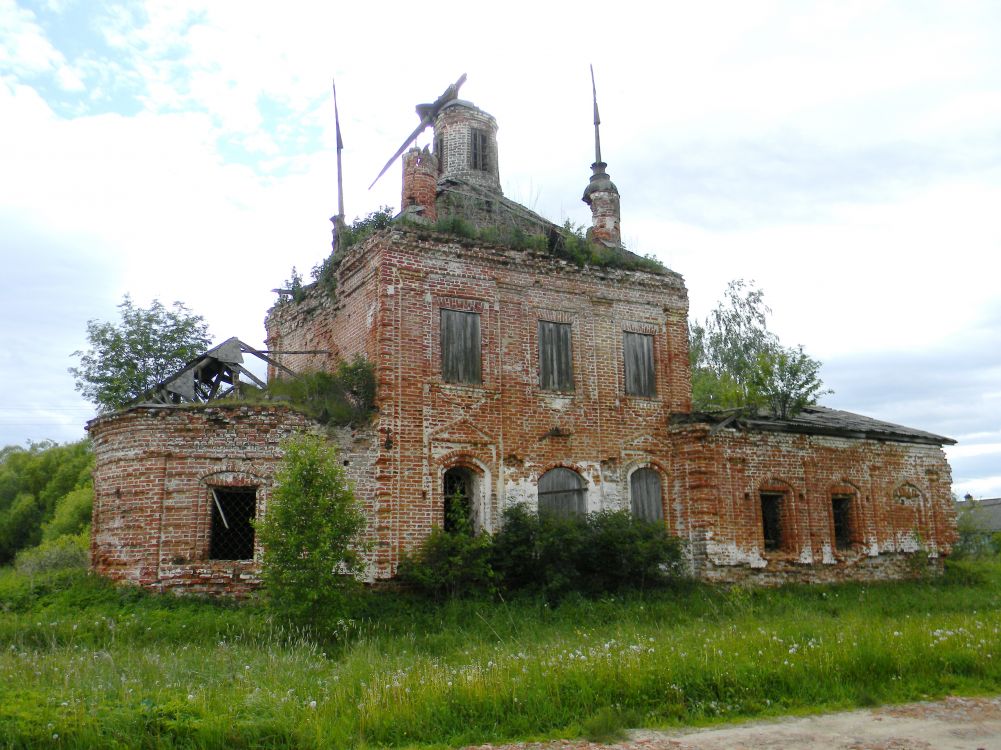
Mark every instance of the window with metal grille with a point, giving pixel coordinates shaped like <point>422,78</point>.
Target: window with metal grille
<point>478,158</point>
<point>771,519</point>
<point>460,347</point>
<point>562,492</point>
<point>232,527</point>
<point>645,496</point>
<point>637,353</point>
<point>841,510</point>
<point>555,356</point>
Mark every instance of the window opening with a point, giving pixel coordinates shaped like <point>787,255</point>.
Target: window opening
<point>841,509</point>
<point>439,147</point>
<point>458,489</point>
<point>478,151</point>
<point>555,356</point>
<point>645,497</point>
<point>771,519</point>
<point>460,347</point>
<point>232,526</point>
<point>637,352</point>
<point>562,492</point>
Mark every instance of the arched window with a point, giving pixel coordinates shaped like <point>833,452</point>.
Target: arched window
<point>562,492</point>
<point>457,485</point>
<point>645,497</point>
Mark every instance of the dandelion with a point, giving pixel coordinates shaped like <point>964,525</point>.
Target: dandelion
<point>312,704</point>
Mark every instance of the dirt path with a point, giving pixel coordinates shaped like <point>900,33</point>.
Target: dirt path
<point>950,724</point>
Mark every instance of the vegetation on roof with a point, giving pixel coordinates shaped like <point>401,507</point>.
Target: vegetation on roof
<point>343,397</point>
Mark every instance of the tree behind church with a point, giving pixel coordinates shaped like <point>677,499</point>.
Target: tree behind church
<point>127,358</point>
<point>738,363</point>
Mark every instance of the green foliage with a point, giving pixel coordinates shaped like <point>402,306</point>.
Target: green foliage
<point>600,553</point>
<point>68,552</point>
<point>127,358</point>
<point>72,514</point>
<point>35,487</point>
<point>574,245</point>
<point>787,380</point>
<point>105,665</point>
<point>450,564</point>
<point>309,533</point>
<point>545,554</point>
<point>457,226</point>
<point>738,363</point>
<point>325,273</point>
<point>344,397</point>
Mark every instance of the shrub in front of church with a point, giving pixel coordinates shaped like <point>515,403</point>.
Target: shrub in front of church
<point>546,554</point>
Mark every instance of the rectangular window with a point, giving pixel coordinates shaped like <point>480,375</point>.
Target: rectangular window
<point>841,509</point>
<point>478,151</point>
<point>460,347</point>
<point>555,356</point>
<point>771,520</point>
<point>637,351</point>
<point>439,150</point>
<point>232,527</point>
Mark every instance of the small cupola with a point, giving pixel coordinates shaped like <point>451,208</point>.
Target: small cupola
<point>465,144</point>
<point>601,194</point>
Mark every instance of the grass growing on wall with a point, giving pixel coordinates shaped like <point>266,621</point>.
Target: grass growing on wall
<point>88,664</point>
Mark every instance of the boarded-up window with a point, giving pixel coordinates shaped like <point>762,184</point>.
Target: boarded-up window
<point>637,352</point>
<point>555,356</point>
<point>460,347</point>
<point>232,526</point>
<point>841,510</point>
<point>771,519</point>
<point>562,492</point>
<point>645,495</point>
<point>478,157</point>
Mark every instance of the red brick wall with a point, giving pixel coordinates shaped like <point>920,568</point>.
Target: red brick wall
<point>717,480</point>
<point>155,467</point>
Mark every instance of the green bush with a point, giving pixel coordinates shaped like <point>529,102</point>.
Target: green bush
<point>450,564</point>
<point>547,555</point>
<point>600,553</point>
<point>72,515</point>
<point>309,533</point>
<point>65,553</point>
<point>344,397</point>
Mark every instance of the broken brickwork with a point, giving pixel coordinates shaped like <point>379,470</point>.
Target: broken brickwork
<point>160,471</point>
<point>894,499</point>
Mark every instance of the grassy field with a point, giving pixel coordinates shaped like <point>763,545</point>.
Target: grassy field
<point>85,664</point>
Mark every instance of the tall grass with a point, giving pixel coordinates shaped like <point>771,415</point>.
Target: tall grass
<point>85,664</point>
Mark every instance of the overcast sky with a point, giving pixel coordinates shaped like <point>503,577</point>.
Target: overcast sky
<point>846,156</point>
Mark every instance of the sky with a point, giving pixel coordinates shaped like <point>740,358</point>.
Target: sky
<point>846,157</point>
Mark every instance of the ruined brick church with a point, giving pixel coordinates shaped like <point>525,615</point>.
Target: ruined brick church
<point>507,373</point>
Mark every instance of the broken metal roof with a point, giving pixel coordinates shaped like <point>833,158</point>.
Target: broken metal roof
<point>813,420</point>
<point>217,373</point>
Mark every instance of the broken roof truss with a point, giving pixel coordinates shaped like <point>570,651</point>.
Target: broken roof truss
<point>217,373</point>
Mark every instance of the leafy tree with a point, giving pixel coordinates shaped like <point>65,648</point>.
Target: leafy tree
<point>737,362</point>
<point>309,532</point>
<point>43,485</point>
<point>127,358</point>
